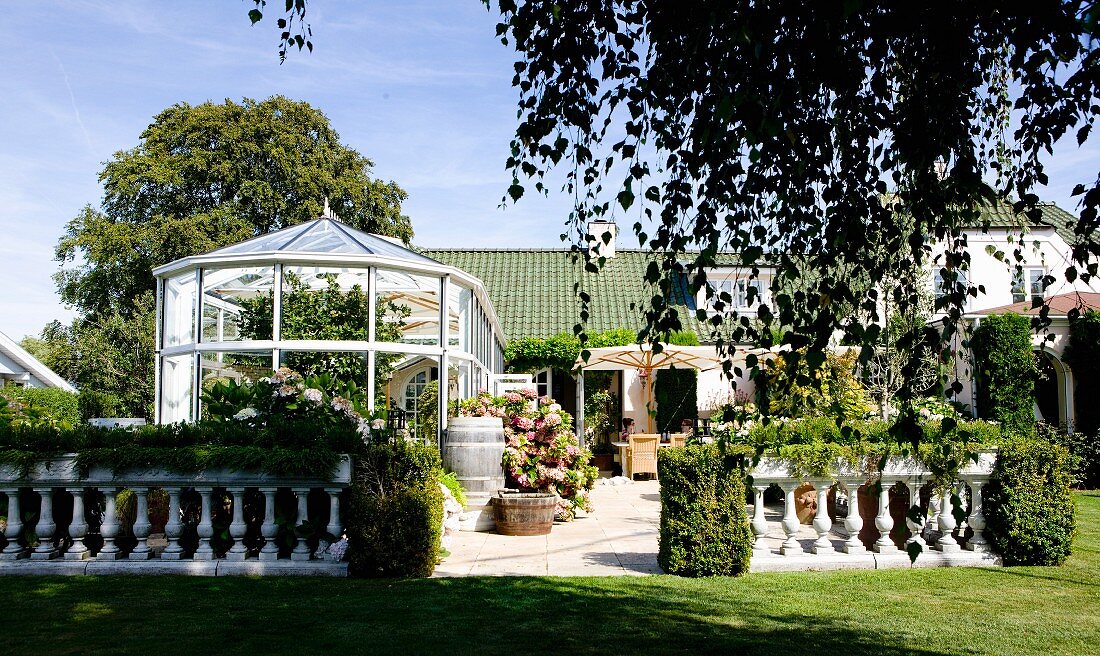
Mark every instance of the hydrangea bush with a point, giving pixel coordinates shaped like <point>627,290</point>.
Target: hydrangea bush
<point>541,452</point>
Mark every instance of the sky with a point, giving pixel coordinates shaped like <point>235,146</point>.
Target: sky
<point>423,88</point>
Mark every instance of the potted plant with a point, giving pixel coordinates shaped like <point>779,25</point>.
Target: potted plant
<point>603,456</point>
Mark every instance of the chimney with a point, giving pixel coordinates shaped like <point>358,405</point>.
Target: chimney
<point>598,231</point>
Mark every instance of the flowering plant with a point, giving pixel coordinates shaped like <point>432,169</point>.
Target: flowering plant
<point>287,396</point>
<point>541,452</point>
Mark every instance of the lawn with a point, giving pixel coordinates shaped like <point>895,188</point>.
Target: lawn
<point>949,611</point>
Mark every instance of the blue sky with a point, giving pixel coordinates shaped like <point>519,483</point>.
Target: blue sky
<point>422,88</point>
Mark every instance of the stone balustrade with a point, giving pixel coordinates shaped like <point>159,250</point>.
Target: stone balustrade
<point>782,542</point>
<point>92,503</point>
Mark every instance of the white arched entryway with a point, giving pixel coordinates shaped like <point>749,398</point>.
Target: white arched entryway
<point>1054,390</point>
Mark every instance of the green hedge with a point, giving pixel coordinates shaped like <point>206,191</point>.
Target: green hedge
<point>704,529</point>
<point>56,404</point>
<point>1005,371</point>
<point>1029,509</point>
<point>395,511</point>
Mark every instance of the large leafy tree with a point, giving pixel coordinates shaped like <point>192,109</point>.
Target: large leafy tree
<point>201,177</point>
<point>796,133</point>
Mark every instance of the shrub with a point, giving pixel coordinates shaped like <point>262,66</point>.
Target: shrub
<point>395,511</point>
<point>1005,371</point>
<point>450,480</point>
<point>1029,509</point>
<point>93,404</point>
<point>704,529</point>
<point>55,404</point>
<point>790,387</point>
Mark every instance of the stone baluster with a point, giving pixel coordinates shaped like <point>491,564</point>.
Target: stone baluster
<point>822,522</point>
<point>759,522</point>
<point>108,528</point>
<point>173,528</point>
<point>301,549</point>
<point>791,524</point>
<point>45,527</point>
<point>883,521</point>
<point>13,550</point>
<point>853,523</point>
<point>947,542</point>
<point>960,490</point>
<point>238,526</point>
<point>269,530</point>
<point>141,525</point>
<point>78,528</point>
<point>916,526</point>
<point>977,542</point>
<point>932,521</point>
<point>205,527</point>
<point>335,525</point>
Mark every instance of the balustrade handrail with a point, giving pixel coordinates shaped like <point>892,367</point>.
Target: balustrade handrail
<point>52,476</point>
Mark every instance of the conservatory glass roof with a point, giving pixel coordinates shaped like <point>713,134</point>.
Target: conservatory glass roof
<point>323,235</point>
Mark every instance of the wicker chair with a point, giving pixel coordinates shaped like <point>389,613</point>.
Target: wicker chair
<point>678,439</point>
<point>642,454</point>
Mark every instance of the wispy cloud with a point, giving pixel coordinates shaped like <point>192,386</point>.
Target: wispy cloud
<point>72,100</point>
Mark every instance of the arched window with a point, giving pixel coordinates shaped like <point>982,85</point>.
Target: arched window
<point>410,393</point>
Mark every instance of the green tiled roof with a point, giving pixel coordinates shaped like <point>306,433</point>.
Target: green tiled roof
<point>532,289</point>
<point>1051,215</point>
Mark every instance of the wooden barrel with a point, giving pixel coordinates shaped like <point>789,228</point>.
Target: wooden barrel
<point>524,513</point>
<point>472,449</point>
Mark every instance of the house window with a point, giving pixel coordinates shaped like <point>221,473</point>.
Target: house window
<point>414,387</point>
<point>1027,284</point>
<point>960,277</point>
<point>544,381</point>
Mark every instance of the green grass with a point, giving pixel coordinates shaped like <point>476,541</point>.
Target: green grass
<point>948,611</point>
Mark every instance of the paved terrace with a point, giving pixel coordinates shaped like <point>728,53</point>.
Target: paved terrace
<point>620,539</point>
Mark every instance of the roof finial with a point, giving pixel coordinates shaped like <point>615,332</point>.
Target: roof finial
<point>327,213</point>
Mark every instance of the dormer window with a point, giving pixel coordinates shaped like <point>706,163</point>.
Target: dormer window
<point>743,293</point>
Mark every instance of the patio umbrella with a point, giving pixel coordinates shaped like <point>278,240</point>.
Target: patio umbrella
<point>643,359</point>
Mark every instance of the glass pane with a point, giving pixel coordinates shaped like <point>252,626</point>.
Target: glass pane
<point>236,304</point>
<point>177,378</point>
<point>345,366</point>
<point>408,307</point>
<point>326,303</point>
<point>237,366</point>
<point>459,302</point>
<point>180,299</point>
<point>405,386</point>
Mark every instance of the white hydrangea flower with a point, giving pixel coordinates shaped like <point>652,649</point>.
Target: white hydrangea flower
<point>247,413</point>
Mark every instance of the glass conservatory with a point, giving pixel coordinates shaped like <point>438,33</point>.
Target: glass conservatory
<point>323,297</point>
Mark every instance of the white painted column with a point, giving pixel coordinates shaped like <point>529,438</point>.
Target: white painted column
<point>238,526</point>
<point>269,530</point>
<point>45,527</point>
<point>579,421</point>
<point>822,522</point>
<point>759,522</point>
<point>883,521</point>
<point>301,549</point>
<point>141,525</point>
<point>947,542</point>
<point>78,528</point>
<point>853,523</point>
<point>977,542</point>
<point>173,528</point>
<point>109,527</point>
<point>791,545</point>
<point>206,527</point>
<point>13,550</point>
<point>335,526</point>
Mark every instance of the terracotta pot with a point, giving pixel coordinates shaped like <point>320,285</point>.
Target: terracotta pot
<point>524,513</point>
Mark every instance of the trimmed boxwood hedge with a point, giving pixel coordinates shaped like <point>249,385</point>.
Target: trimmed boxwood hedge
<point>704,529</point>
<point>1028,506</point>
<point>395,511</point>
<point>1005,371</point>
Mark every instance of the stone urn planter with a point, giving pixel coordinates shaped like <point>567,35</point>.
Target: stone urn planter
<point>524,513</point>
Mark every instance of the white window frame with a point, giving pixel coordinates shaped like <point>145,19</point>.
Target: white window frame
<point>1028,284</point>
<point>735,282</point>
